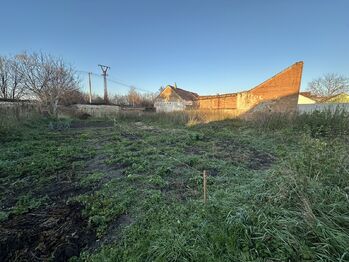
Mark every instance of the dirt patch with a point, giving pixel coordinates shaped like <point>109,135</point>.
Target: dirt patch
<point>113,233</point>
<point>177,189</point>
<point>54,231</point>
<point>130,136</point>
<point>57,232</point>
<point>238,154</point>
<point>98,164</point>
<point>260,160</point>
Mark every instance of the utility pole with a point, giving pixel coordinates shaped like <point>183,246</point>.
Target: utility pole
<point>90,86</point>
<point>104,74</point>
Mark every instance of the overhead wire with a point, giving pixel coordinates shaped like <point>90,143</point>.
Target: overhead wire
<point>119,82</point>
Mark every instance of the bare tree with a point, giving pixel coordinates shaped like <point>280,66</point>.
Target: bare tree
<point>17,89</point>
<point>121,100</point>
<point>4,77</point>
<point>133,97</point>
<point>329,85</point>
<point>11,80</point>
<point>74,97</point>
<point>48,78</point>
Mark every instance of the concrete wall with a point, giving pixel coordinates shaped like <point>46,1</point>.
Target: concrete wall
<point>308,108</point>
<point>169,106</point>
<point>19,109</point>
<point>26,109</point>
<point>94,110</point>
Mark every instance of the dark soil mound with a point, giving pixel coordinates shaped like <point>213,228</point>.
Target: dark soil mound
<point>53,233</point>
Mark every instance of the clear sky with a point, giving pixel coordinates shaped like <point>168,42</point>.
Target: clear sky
<point>205,46</point>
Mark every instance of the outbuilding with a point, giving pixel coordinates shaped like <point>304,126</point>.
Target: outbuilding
<point>173,99</point>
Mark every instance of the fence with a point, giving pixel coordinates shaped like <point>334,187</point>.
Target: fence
<point>308,108</point>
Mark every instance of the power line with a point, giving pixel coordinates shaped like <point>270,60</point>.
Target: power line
<point>119,82</point>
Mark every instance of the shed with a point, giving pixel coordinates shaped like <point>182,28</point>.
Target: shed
<point>173,98</point>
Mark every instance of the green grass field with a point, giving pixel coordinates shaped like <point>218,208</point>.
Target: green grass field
<point>130,189</point>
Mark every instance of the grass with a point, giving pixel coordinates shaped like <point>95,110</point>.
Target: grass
<point>278,189</point>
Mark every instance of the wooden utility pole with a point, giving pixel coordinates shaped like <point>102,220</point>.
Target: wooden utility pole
<point>90,86</point>
<point>104,74</point>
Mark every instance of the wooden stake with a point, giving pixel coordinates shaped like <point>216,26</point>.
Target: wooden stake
<point>205,186</point>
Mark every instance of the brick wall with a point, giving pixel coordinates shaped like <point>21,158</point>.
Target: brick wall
<point>217,102</point>
<point>279,93</point>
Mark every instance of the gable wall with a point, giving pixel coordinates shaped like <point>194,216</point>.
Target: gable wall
<point>280,93</point>
<point>168,95</point>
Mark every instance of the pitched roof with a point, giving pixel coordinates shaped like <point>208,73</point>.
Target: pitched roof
<point>306,94</point>
<point>334,98</point>
<point>184,94</point>
<point>322,99</point>
<point>310,96</point>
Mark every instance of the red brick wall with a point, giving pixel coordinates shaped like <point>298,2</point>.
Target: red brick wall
<point>285,83</point>
<point>284,87</point>
<point>217,102</point>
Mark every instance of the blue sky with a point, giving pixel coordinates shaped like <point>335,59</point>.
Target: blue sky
<point>208,46</point>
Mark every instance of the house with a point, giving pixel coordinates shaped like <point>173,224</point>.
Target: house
<point>173,98</point>
<point>308,98</point>
<point>277,94</point>
<point>305,98</point>
<point>340,98</point>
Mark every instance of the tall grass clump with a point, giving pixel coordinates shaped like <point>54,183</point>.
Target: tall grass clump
<point>8,125</point>
<point>305,203</point>
<point>12,126</point>
<point>318,123</point>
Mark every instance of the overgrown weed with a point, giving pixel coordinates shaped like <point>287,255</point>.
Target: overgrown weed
<point>318,123</point>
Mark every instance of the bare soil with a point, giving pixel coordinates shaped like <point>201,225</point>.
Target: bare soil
<point>55,232</point>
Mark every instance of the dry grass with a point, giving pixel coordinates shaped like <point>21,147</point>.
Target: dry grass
<point>189,118</point>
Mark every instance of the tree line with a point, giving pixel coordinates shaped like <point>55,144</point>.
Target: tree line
<point>37,76</point>
<point>51,81</point>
